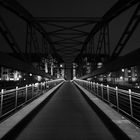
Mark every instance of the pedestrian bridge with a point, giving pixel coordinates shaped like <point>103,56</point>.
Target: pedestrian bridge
<point>67,111</point>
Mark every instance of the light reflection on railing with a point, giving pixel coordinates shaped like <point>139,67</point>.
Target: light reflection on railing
<point>12,99</point>
<point>124,101</point>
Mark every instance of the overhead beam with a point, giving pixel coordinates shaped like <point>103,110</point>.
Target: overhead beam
<point>20,11</point>
<point>68,49</point>
<point>67,19</point>
<point>67,34</point>
<point>116,10</point>
<point>69,43</point>
<point>128,32</point>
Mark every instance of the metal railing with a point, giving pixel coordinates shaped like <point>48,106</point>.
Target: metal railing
<point>124,101</point>
<point>12,99</point>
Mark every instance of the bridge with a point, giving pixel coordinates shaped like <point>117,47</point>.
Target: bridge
<point>69,73</point>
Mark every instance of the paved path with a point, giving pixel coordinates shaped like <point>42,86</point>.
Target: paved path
<point>67,116</point>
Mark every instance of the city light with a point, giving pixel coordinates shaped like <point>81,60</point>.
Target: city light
<point>39,78</point>
<point>74,78</point>
<point>121,77</point>
<point>20,76</point>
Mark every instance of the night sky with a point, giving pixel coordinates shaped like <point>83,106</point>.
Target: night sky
<point>68,8</point>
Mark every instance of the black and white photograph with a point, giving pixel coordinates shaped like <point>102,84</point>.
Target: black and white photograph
<point>69,70</point>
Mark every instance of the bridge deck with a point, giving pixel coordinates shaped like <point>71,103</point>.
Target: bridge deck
<point>66,116</point>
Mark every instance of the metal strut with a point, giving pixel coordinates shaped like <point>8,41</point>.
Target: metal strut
<point>8,36</point>
<point>10,39</point>
<point>130,28</point>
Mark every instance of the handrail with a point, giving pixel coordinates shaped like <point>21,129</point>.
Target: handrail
<point>12,99</point>
<point>125,101</point>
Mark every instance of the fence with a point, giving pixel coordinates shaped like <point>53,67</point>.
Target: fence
<point>12,99</point>
<point>124,101</point>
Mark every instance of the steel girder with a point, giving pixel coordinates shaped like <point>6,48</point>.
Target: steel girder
<point>20,11</point>
<point>116,10</point>
<point>67,19</point>
<point>4,30</point>
<point>130,28</point>
<point>32,44</point>
<point>69,32</point>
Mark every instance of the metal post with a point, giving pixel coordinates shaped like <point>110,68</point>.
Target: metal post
<point>1,105</point>
<point>47,85</point>
<point>97,88</point>
<point>91,86</point>
<point>44,85</point>
<point>108,93</point>
<point>117,98</point>
<point>38,87</point>
<point>32,90</point>
<point>102,91</point>
<point>26,94</point>
<point>94,86</point>
<point>41,86</point>
<point>130,100</point>
<point>16,97</point>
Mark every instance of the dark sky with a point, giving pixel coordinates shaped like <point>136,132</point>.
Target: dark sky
<point>68,8</point>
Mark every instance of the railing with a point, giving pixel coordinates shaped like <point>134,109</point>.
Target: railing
<point>124,101</point>
<point>12,99</point>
